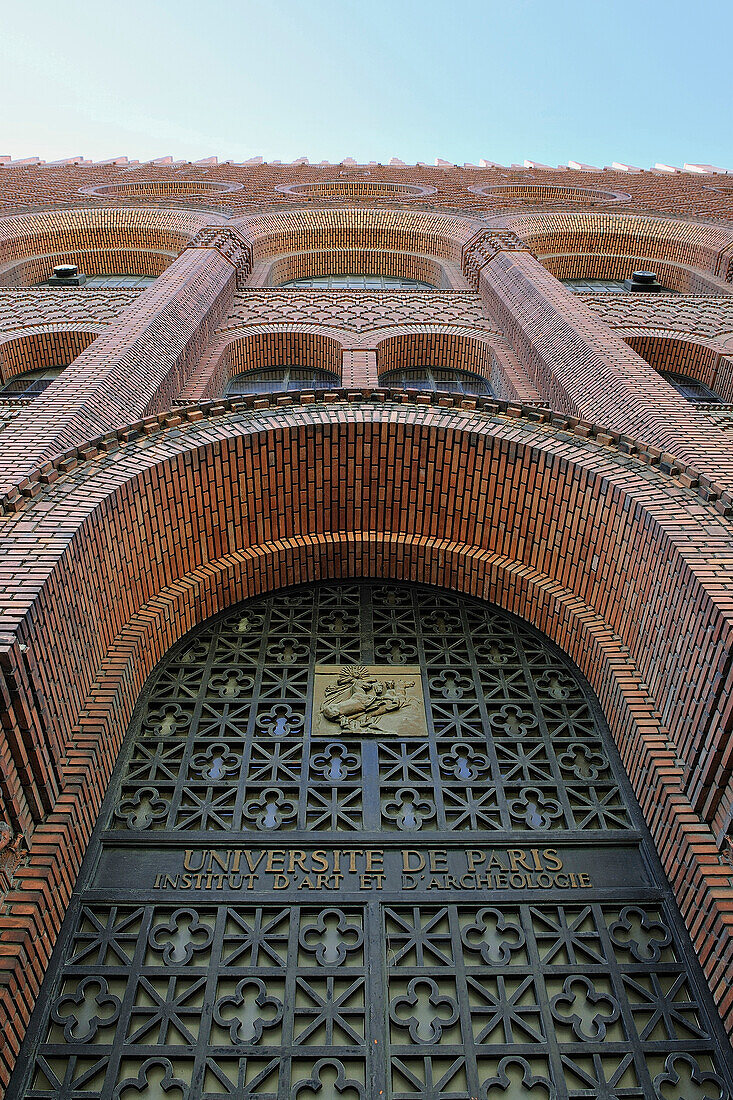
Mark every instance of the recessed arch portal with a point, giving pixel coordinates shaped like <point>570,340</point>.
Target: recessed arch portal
<point>376,834</point>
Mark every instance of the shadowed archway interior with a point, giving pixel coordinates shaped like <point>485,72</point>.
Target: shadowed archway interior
<point>369,839</point>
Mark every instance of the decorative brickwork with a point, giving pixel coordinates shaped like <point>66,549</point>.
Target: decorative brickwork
<point>325,261</point>
<point>229,244</point>
<point>699,316</point>
<point>354,311</point>
<point>35,348</point>
<point>687,256</point>
<point>21,309</point>
<point>255,350</point>
<point>636,533</point>
<point>132,369</point>
<point>142,242</point>
<point>483,247</point>
<point>584,368</point>
<point>435,235</point>
<point>545,194</point>
<point>590,499</point>
<point>694,358</point>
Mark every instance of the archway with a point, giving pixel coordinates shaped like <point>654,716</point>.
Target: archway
<point>377,836</point>
<point>522,475</point>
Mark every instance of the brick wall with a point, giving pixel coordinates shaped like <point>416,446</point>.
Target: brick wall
<point>542,519</point>
<point>604,519</point>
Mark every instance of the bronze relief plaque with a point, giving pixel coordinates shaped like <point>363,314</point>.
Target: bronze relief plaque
<point>368,701</point>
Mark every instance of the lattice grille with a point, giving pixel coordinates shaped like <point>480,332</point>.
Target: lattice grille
<point>457,910</point>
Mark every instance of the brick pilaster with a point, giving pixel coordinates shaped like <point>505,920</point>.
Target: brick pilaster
<point>359,368</point>
<point>141,363</point>
<point>582,367</point>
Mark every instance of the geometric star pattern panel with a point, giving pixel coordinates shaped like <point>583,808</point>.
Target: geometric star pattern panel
<point>371,840</point>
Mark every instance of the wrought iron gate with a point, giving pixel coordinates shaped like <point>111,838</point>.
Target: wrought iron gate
<point>370,840</point>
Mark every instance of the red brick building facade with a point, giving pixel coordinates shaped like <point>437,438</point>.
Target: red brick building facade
<point>582,491</point>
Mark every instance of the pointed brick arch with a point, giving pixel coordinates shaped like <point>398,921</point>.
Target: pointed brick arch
<point>139,241</point>
<point>294,244</point>
<point>266,346</point>
<point>44,346</point>
<point>690,257</point>
<point>700,359</point>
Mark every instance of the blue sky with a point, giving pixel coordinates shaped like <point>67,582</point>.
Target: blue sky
<point>639,82</point>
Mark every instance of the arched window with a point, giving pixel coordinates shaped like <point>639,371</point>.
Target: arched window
<point>107,281</point>
<point>286,377</point>
<point>29,384</point>
<point>595,286</point>
<point>436,378</point>
<point>120,282</point>
<point>357,282</point>
<point>690,388</point>
<point>605,286</point>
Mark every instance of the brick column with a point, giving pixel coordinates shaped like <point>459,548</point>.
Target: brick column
<point>582,367</point>
<point>140,364</point>
<point>359,369</point>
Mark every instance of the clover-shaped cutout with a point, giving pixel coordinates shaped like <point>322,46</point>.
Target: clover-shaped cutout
<point>583,762</point>
<point>643,936</point>
<point>451,685</point>
<point>279,721</point>
<point>497,652</point>
<point>195,653</point>
<point>271,810</point>
<point>83,1012</point>
<point>216,762</point>
<point>434,1011</point>
<point>141,809</point>
<point>408,810</point>
<point>338,622</point>
<point>683,1079</point>
<point>534,809</point>
<point>335,762</point>
<point>180,937</point>
<point>555,684</point>
<point>464,762</point>
<point>514,1075</point>
<point>168,720</point>
<point>395,651</point>
<point>156,1075</point>
<point>493,936</point>
<point>231,683</point>
<point>591,1011</point>
<point>441,622</point>
<point>248,622</point>
<point>512,721</point>
<point>331,937</point>
<point>288,651</point>
<point>248,1011</point>
<point>328,1074</point>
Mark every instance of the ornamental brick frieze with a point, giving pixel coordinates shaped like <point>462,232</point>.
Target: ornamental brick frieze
<point>354,311</point>
<point>231,245</point>
<point>473,189</point>
<point>484,246</point>
<point>708,317</point>
<point>24,308</point>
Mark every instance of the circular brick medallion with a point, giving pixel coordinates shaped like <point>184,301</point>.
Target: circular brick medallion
<point>356,189</point>
<point>543,194</point>
<point>155,189</point>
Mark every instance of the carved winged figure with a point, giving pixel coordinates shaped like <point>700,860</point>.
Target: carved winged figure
<point>357,699</point>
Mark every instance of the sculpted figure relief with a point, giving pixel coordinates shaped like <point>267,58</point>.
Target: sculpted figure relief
<point>358,698</point>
